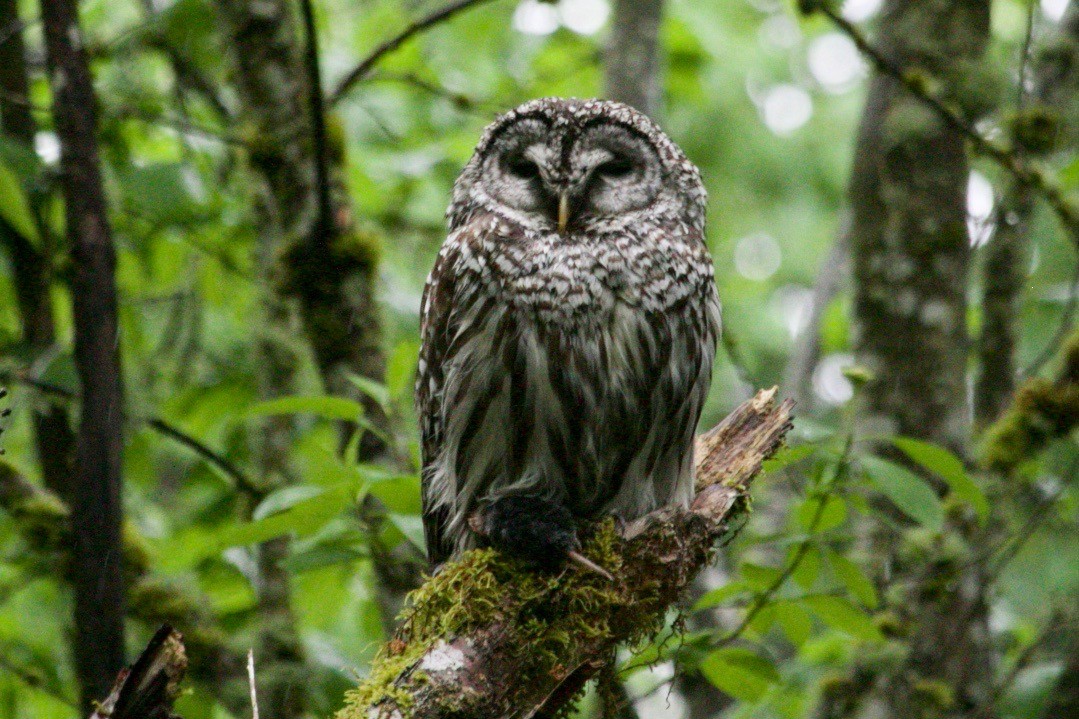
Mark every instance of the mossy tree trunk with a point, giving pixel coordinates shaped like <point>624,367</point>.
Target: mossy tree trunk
<point>910,258</point>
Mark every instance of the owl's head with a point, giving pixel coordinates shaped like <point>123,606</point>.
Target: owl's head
<point>563,165</point>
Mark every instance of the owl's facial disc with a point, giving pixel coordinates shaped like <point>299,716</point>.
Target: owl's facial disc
<point>564,176</point>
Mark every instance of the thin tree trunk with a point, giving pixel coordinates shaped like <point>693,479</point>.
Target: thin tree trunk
<point>1048,124</point>
<point>798,376</point>
<point>1005,270</point>
<point>910,252</point>
<point>633,61</point>
<point>96,508</point>
<point>268,77</point>
<point>32,273</point>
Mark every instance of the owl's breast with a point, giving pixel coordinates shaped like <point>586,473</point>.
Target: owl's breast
<point>582,282</point>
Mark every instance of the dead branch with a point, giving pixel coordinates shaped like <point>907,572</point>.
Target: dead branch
<point>148,688</point>
<point>485,638</point>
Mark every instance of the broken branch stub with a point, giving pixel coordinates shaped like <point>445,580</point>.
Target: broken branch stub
<point>486,638</point>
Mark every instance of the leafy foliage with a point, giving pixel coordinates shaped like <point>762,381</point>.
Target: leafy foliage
<point>801,594</point>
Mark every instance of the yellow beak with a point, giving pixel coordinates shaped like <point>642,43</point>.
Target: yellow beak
<point>563,212</point>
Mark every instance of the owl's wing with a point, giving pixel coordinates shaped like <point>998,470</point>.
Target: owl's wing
<point>437,328</point>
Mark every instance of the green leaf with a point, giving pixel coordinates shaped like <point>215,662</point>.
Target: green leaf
<point>14,206</point>
<point>808,569</point>
<point>758,576</point>
<point>285,498</point>
<point>400,367</point>
<point>739,672</point>
<point>794,621</point>
<point>303,518</point>
<point>721,594</point>
<point>950,468</point>
<point>320,405</point>
<point>411,526</point>
<point>786,457</point>
<point>906,490</point>
<point>841,614</point>
<point>855,580</point>
<point>833,515</point>
<point>321,556</point>
<point>166,193</point>
<point>762,620</point>
<point>376,391</point>
<point>400,494</point>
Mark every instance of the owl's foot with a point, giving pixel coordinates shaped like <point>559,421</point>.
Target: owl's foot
<point>535,530</point>
<point>540,532</point>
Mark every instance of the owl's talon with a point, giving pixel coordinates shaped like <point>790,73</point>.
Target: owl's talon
<point>586,563</point>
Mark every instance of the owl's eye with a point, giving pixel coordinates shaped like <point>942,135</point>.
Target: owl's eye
<point>523,168</point>
<point>618,167</point>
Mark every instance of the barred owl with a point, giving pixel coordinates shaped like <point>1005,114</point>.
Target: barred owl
<point>568,331</point>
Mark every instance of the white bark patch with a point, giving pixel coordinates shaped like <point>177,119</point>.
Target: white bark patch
<point>443,658</point>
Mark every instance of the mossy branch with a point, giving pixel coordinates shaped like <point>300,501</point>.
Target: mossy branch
<point>914,80</point>
<point>1043,410</point>
<point>487,638</point>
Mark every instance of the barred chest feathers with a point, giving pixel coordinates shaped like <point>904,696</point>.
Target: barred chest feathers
<point>568,331</point>
<point>578,370</point>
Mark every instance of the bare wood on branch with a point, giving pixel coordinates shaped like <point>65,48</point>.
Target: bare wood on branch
<point>483,639</point>
<point>148,688</point>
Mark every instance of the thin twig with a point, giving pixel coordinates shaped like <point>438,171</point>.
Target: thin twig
<point>34,681</point>
<point>251,683</point>
<point>1009,160</point>
<point>459,100</point>
<point>162,427</point>
<point>803,549</point>
<point>365,66</point>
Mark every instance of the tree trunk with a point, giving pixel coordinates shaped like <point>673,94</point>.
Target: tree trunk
<point>633,58</point>
<point>96,508</point>
<point>31,265</point>
<point>910,257</point>
<point>1047,125</point>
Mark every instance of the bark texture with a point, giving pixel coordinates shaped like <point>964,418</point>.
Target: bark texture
<point>1049,123</point>
<point>910,268</point>
<point>96,509</point>
<point>485,638</point>
<point>31,263</point>
<point>909,238</point>
<point>633,62</point>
